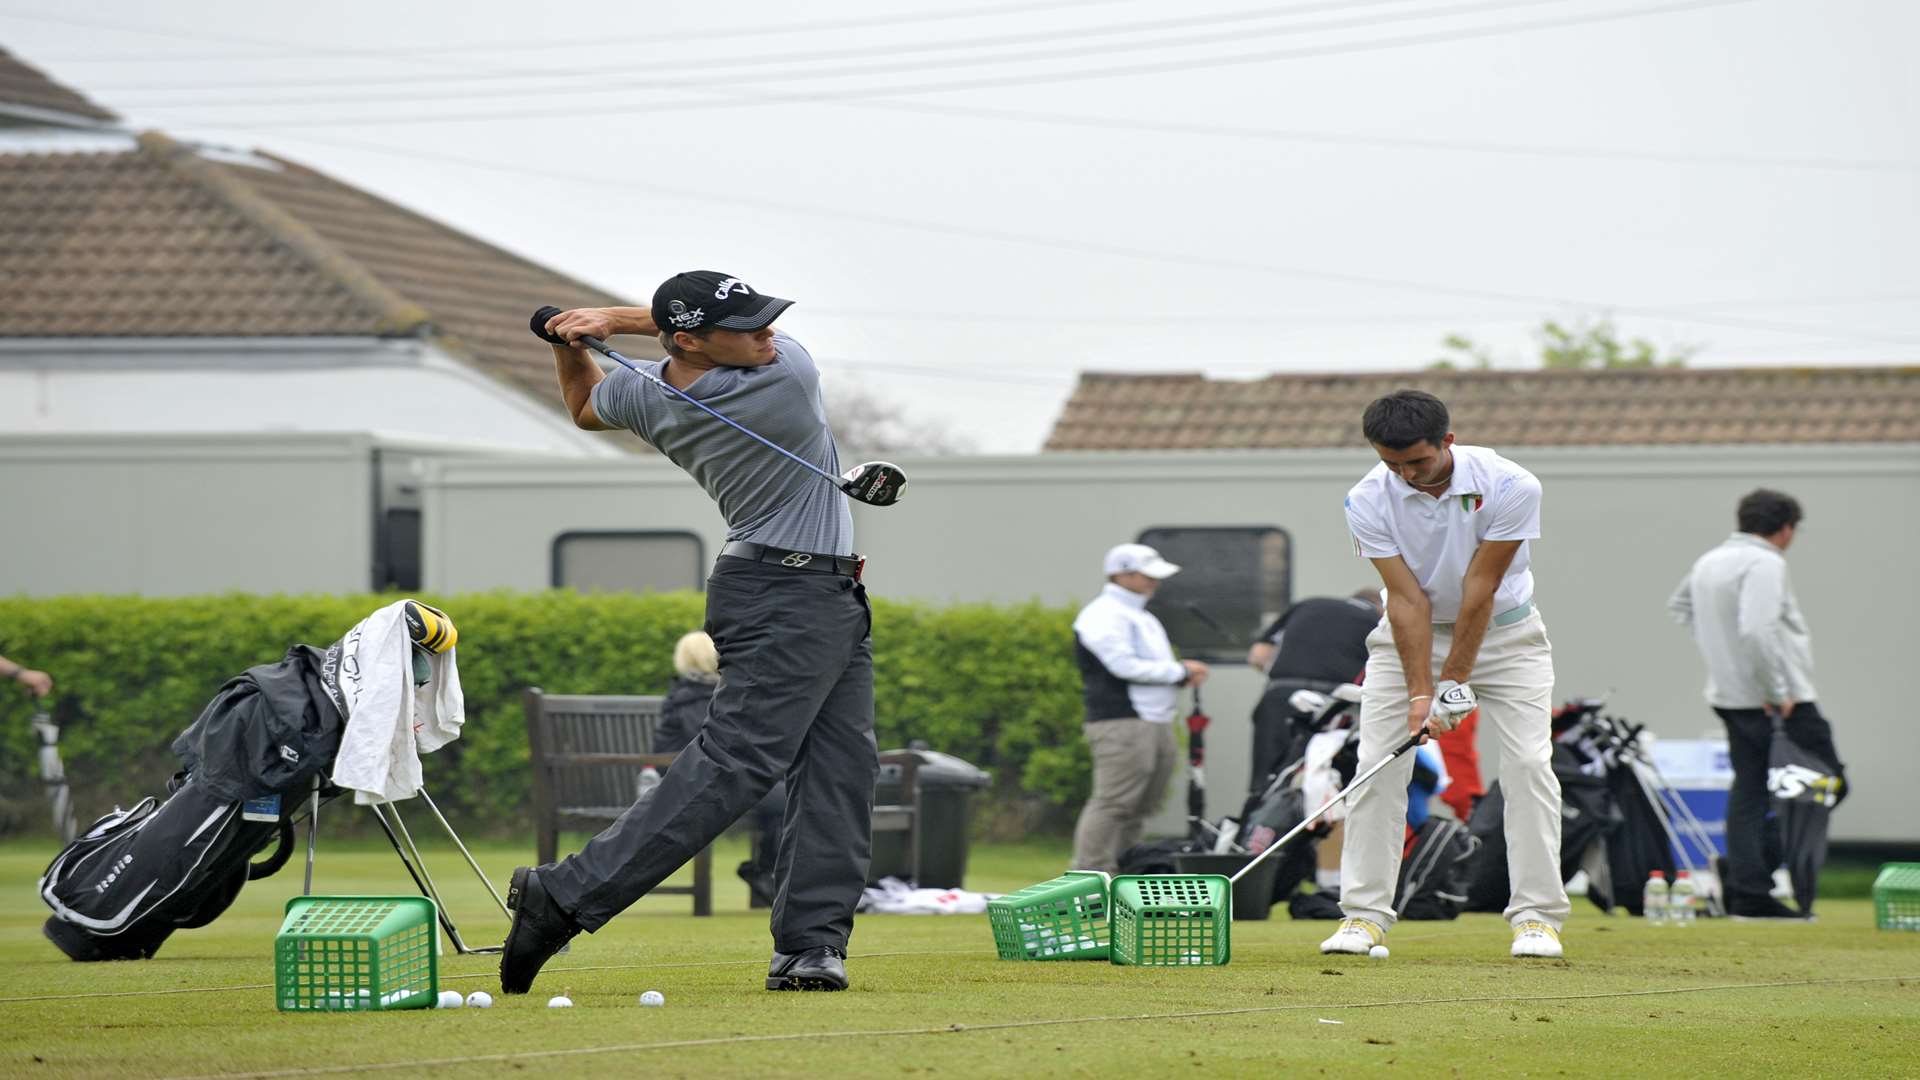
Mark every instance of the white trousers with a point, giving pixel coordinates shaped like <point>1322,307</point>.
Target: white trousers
<point>1513,679</point>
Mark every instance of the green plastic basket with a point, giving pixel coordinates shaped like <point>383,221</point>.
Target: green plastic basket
<point>356,953</point>
<point>1172,920</point>
<point>1896,897</point>
<point>1062,919</point>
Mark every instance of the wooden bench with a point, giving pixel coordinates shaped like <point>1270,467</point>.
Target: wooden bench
<point>588,751</point>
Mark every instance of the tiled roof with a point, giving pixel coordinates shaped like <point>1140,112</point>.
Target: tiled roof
<point>1641,407</point>
<point>23,84</point>
<point>168,241</point>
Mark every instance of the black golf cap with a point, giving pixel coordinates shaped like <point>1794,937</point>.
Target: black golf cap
<point>710,300</point>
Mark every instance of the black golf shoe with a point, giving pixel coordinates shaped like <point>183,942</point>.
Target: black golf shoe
<point>819,968</point>
<point>539,930</point>
<point>1760,907</point>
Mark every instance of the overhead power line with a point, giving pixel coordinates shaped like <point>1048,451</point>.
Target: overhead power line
<point>733,32</point>
<point>1106,249</point>
<point>788,65</point>
<point>710,101</point>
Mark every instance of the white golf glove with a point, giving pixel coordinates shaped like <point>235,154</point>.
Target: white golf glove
<point>1452,701</point>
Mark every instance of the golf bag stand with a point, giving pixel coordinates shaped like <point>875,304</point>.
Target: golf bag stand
<point>391,823</point>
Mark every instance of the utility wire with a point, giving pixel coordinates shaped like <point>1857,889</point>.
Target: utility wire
<point>1107,249</point>
<point>667,37</point>
<point>786,65</point>
<point>1041,78</point>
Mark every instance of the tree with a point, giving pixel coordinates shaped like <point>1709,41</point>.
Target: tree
<point>1582,345</point>
<point>866,424</point>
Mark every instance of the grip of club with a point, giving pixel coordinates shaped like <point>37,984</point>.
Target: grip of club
<point>1339,797</point>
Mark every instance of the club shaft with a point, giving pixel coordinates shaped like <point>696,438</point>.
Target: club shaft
<point>1338,798</point>
<point>601,347</point>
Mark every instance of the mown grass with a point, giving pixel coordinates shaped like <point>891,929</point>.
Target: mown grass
<point>1708,1001</point>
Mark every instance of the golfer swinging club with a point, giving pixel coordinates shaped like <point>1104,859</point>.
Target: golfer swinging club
<point>1447,527</point>
<point>786,610</point>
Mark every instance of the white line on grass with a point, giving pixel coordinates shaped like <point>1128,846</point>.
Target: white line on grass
<point>956,1029</point>
<point>472,975</point>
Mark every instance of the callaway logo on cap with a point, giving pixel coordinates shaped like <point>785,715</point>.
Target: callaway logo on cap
<point>710,300</point>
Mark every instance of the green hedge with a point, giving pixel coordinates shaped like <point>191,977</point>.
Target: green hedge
<point>993,685</point>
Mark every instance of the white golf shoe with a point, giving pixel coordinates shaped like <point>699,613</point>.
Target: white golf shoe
<point>1355,936</point>
<point>1535,938</point>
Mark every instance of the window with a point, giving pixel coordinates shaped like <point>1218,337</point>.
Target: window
<point>399,551</point>
<point>1236,576</point>
<point>638,561</point>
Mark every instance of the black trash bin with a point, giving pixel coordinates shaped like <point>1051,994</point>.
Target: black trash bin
<point>935,826</point>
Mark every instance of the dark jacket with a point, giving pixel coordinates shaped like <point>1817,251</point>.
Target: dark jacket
<point>682,715</point>
<point>270,729</point>
<point>1322,639</point>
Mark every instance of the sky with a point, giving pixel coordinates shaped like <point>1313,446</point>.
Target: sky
<point>972,203</point>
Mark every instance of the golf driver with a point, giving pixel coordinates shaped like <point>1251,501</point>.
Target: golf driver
<point>876,483</point>
<point>1338,798</point>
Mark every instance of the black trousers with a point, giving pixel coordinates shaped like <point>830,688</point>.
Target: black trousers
<point>795,700</point>
<point>1753,841</point>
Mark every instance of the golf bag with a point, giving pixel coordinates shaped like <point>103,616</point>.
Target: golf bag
<point>135,876</point>
<point>1434,871</point>
<point>1589,816</point>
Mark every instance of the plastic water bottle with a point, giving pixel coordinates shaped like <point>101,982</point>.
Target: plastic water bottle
<point>649,779</point>
<point>1654,898</point>
<point>1681,900</point>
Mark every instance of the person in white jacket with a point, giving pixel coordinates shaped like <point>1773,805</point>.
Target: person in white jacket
<point>1130,675</point>
<point>1739,603</point>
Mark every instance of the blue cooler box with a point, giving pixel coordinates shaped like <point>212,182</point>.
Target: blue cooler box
<point>1701,771</point>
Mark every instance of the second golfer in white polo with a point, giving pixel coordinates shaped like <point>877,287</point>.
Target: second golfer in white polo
<point>1448,527</point>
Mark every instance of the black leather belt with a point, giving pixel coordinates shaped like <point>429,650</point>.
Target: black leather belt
<point>844,565</point>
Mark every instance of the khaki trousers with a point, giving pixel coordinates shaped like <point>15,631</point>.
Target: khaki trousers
<point>1513,678</point>
<point>1133,762</point>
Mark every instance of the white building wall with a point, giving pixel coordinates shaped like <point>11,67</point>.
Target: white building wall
<point>1621,526</point>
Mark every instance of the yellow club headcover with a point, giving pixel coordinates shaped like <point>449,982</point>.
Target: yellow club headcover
<point>430,628</point>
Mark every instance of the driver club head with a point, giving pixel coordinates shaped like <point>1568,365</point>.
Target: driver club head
<point>876,483</point>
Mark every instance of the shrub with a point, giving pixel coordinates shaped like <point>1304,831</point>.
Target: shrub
<point>995,685</point>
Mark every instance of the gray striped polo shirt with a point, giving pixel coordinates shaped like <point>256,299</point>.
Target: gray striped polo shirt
<point>764,497</point>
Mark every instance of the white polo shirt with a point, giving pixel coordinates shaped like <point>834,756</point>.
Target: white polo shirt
<point>1488,498</point>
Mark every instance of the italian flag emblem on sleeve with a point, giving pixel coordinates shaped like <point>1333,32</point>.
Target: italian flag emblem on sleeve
<point>1470,502</point>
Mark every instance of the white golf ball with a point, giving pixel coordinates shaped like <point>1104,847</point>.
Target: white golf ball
<point>560,1001</point>
<point>480,999</point>
<point>1378,952</point>
<point>653,999</point>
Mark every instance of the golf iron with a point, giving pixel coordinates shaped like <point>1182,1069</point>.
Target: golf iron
<point>876,483</point>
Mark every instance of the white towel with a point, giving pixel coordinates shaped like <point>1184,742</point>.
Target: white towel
<point>391,722</point>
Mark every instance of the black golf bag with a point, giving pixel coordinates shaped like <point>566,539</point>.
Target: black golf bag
<point>1434,871</point>
<point>1589,815</point>
<point>135,876</point>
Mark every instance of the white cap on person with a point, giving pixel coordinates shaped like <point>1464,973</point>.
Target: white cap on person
<point>1139,558</point>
